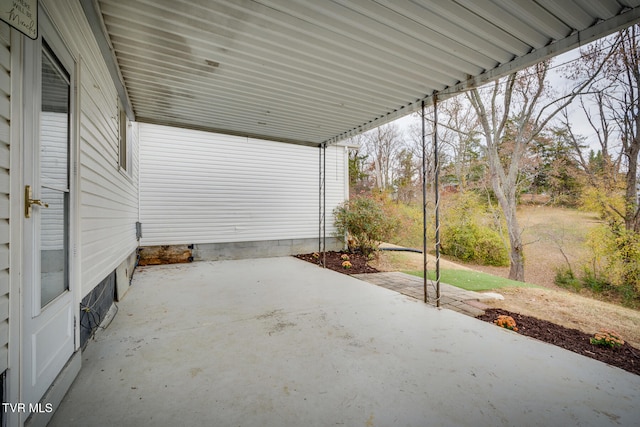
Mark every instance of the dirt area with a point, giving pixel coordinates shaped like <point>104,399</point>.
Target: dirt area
<point>383,261</point>
<point>625,357</point>
<point>572,310</point>
<point>334,260</point>
<point>548,233</point>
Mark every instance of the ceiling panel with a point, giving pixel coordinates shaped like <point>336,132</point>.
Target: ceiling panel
<point>309,72</point>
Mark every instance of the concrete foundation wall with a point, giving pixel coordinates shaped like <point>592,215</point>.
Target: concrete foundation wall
<point>270,248</point>
<point>124,273</point>
<point>171,254</point>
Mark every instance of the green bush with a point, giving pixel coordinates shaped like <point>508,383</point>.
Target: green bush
<point>594,282</point>
<point>366,223</point>
<point>612,266</point>
<point>409,231</point>
<point>490,248</point>
<point>474,243</point>
<point>624,260</point>
<point>459,241</point>
<point>469,234</point>
<point>567,279</point>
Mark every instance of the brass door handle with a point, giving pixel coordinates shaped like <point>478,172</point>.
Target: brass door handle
<point>38,202</point>
<point>28,202</point>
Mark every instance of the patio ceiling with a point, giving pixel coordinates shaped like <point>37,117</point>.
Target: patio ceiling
<point>319,71</point>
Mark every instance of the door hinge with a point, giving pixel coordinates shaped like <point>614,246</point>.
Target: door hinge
<point>75,320</point>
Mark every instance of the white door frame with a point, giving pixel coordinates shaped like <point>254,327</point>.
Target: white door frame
<point>30,301</point>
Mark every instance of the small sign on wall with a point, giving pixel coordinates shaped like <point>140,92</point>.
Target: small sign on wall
<point>21,15</point>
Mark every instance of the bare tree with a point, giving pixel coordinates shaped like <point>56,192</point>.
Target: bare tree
<point>414,145</point>
<point>359,179</point>
<point>603,132</point>
<point>601,168</point>
<point>458,132</point>
<point>615,97</point>
<point>512,116</point>
<point>383,146</point>
<point>624,108</point>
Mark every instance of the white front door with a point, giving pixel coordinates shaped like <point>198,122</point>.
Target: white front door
<point>48,302</point>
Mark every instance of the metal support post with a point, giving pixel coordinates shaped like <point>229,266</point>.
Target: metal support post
<point>322,203</point>
<point>424,206</point>
<point>437,195</point>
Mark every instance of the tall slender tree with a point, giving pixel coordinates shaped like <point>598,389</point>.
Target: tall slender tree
<point>383,146</point>
<point>612,108</point>
<point>513,114</point>
<point>460,137</point>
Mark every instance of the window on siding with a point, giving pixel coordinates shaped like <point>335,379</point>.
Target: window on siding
<point>124,151</point>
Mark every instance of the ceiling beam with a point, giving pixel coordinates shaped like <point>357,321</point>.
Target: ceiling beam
<point>600,29</point>
<point>225,131</point>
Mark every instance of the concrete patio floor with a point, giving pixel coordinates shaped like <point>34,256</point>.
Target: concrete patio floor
<point>281,342</point>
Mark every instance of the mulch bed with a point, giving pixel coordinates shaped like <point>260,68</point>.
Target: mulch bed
<point>625,357</point>
<point>334,262</point>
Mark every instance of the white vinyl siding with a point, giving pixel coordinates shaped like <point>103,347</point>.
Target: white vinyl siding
<point>108,198</point>
<point>5,120</point>
<point>201,187</point>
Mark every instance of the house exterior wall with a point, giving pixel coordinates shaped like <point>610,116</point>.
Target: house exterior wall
<point>5,132</point>
<point>104,207</point>
<point>204,188</point>
<point>108,196</point>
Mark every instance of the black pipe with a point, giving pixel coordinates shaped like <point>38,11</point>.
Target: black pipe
<point>418,251</point>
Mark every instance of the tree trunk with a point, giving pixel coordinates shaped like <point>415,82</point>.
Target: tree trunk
<point>378,172</point>
<point>516,255</point>
<point>632,217</point>
<point>507,201</point>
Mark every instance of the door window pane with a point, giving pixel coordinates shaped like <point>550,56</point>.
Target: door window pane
<point>54,179</point>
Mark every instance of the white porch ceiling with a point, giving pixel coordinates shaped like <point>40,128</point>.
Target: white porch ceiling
<point>309,72</point>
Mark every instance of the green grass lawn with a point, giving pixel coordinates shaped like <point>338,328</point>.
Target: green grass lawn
<point>472,280</point>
